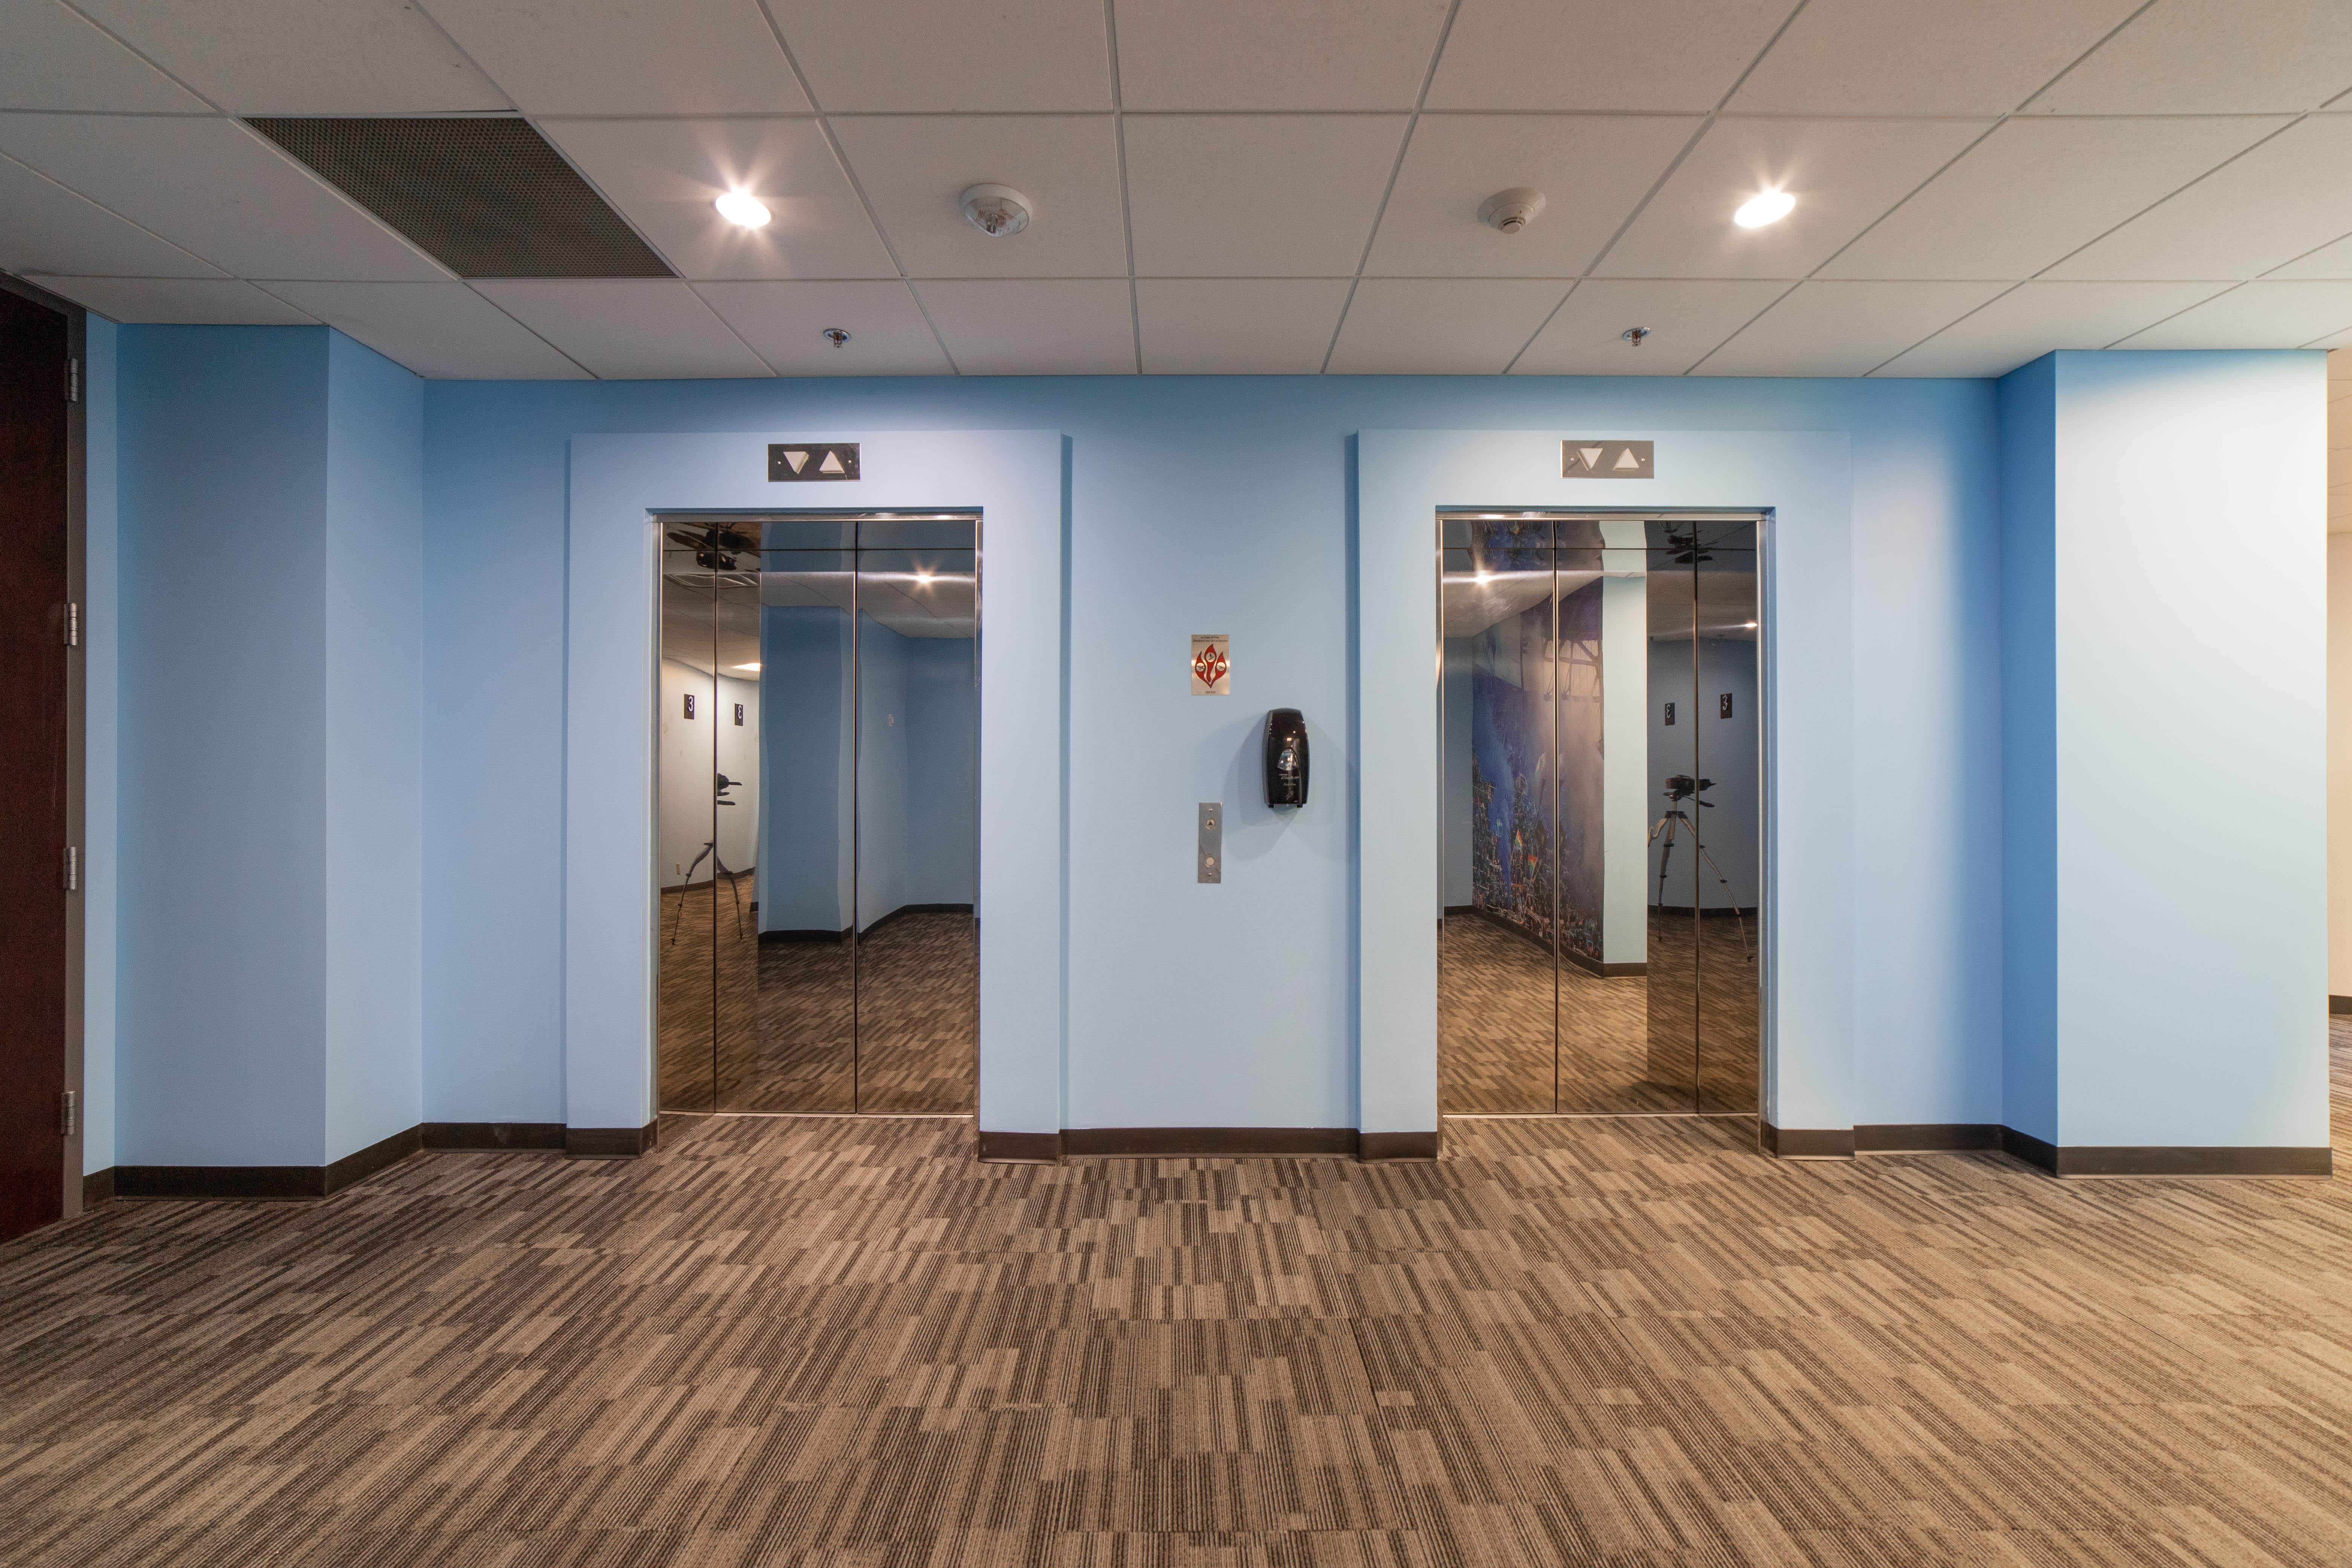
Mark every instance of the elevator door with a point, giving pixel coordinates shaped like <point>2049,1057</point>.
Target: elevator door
<point>818,807</point>
<point>1600,806</point>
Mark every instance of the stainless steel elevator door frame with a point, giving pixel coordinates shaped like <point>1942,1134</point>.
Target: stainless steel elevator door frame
<point>853,535</point>
<point>1757,939</point>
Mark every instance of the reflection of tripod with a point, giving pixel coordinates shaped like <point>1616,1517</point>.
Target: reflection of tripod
<point>1676,822</point>
<point>718,869</point>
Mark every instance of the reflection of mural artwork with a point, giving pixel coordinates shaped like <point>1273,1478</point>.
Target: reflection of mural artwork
<point>1581,866</point>
<point>1511,840</point>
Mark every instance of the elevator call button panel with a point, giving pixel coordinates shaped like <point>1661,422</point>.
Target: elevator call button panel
<point>1211,856</point>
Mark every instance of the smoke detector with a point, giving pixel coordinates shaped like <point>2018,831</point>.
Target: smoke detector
<point>1512,210</point>
<point>997,211</point>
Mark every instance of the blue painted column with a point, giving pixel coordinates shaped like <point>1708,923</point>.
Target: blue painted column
<point>2163,647</point>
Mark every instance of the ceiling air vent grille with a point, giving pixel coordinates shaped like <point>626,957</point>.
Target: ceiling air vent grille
<point>486,197</point>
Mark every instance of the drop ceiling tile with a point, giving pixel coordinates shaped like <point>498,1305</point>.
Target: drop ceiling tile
<point>1300,54</point>
<point>627,57</point>
<point>444,332</point>
<point>1429,326</point>
<point>296,57</point>
<point>2034,318</point>
<point>56,59</point>
<point>631,329</point>
<point>2213,56</point>
<point>45,228</point>
<point>205,301</point>
<point>2035,190</point>
<point>664,174</point>
<point>914,169</point>
<point>1922,56</point>
<point>881,55</point>
<point>1237,326</point>
<point>2262,315</point>
<point>1686,318</point>
<point>785,323</point>
<point>1843,329</point>
<point>2330,261</point>
<point>1081,326</point>
<point>1592,169</point>
<point>1844,173</point>
<point>2281,199</point>
<point>217,190</point>
<point>1248,196</point>
<point>1592,55</point>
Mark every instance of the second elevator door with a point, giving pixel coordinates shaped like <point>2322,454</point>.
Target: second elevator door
<point>1602,807</point>
<point>819,815</point>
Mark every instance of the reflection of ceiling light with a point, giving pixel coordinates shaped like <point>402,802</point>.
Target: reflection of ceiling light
<point>998,211</point>
<point>753,665</point>
<point>1771,207</point>
<point>1747,626</point>
<point>1484,577</point>
<point>743,209</point>
<point>922,579</point>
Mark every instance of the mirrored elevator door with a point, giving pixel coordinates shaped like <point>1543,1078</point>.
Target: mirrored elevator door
<point>1634,728</point>
<point>802,1047</point>
<point>917,795</point>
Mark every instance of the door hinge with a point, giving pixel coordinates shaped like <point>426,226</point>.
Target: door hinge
<point>73,868</point>
<point>73,623</point>
<point>69,1113</point>
<point>73,381</point>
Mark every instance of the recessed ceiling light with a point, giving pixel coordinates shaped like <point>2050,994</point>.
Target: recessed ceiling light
<point>744,208</point>
<point>1757,211</point>
<point>998,211</point>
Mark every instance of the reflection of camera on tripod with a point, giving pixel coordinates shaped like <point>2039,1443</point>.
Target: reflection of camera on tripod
<point>1676,822</point>
<point>718,869</point>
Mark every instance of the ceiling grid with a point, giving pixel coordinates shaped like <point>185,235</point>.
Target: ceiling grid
<point>1229,187</point>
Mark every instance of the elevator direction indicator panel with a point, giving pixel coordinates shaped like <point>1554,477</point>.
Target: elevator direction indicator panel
<point>1586,457</point>
<point>811,462</point>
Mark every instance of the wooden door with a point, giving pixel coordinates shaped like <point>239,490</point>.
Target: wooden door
<point>33,795</point>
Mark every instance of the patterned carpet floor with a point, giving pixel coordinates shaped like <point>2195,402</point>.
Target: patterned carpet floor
<point>842,1341</point>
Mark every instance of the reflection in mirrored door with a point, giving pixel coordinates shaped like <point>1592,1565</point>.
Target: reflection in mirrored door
<point>917,796</point>
<point>818,803</point>
<point>1601,799</point>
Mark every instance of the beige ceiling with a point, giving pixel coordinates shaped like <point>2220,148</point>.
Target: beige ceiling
<point>1244,187</point>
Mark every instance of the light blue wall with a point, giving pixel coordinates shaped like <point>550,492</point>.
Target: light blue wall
<point>269,584</point>
<point>942,771</point>
<point>805,818</point>
<point>1196,505</point>
<point>1725,753</point>
<point>101,675</point>
<point>374,593</point>
<point>2029,748</point>
<point>882,782</point>
<point>2189,571</point>
<point>222,813</point>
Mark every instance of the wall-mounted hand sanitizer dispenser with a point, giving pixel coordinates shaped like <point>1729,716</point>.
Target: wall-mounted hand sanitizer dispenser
<point>1285,757</point>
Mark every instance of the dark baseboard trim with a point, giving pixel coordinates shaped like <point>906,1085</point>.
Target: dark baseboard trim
<point>359,1165</point>
<point>263,1181</point>
<point>814,933</point>
<point>609,1143</point>
<point>1021,1147</point>
<point>546,1135</point>
<point>2339,1004</point>
<point>1209,1142</point>
<point>98,1187</point>
<point>1927,1137</point>
<point>2091,1160</point>
<point>1593,966</point>
<point>1806,1142</point>
<point>1745,911</point>
<point>1382,1147</point>
<point>2043,1157</point>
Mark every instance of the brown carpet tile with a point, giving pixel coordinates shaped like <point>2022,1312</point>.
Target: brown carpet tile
<point>1629,1043</point>
<point>1632,1342</point>
<point>782,1033</point>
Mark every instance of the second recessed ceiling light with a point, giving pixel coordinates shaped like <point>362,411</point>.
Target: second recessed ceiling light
<point>1770,206</point>
<point>743,209</point>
